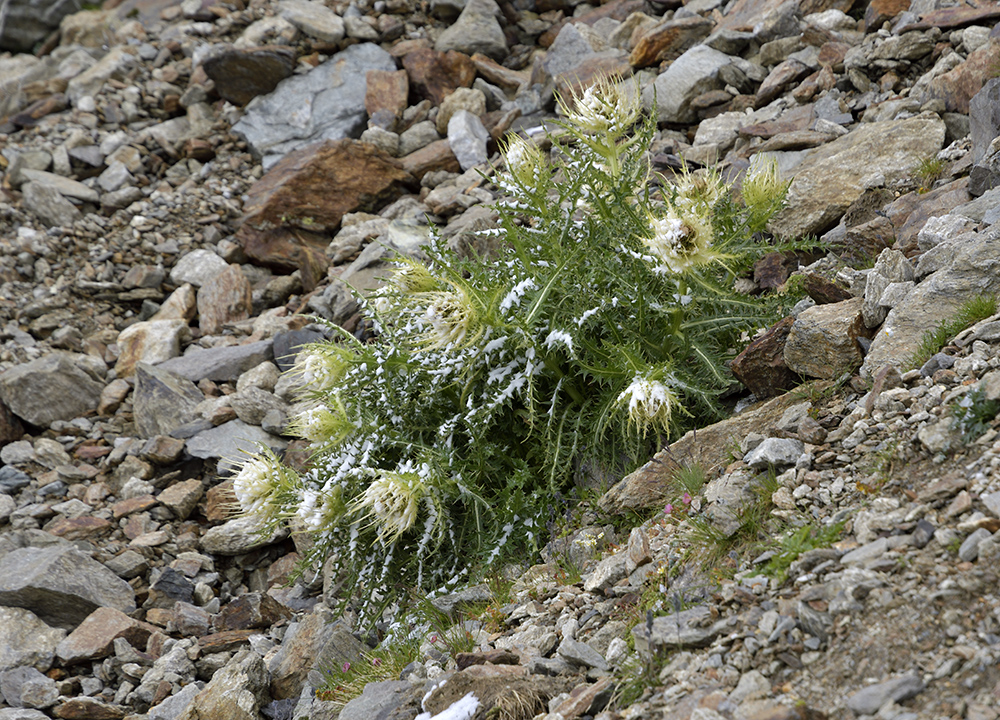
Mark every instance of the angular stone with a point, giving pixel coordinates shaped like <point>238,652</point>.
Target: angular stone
<point>476,30</point>
<point>232,440</point>
<point>224,299</point>
<point>94,638</point>
<point>28,688</point>
<point>197,268</point>
<point>873,697</point>
<point>387,92</point>
<point>761,366</point>
<point>114,65</point>
<point>326,104</point>
<point>615,10</point>
<point>436,156</point>
<point>580,653</point>
<point>318,640</point>
<point>241,74</point>
<point>239,536</point>
<point>152,342</point>
<point>984,118</point>
<point>78,528</point>
<point>253,610</point>
<point>774,452</point>
<point>957,87</point>
<point>26,641</point>
<point>314,19</point>
<point>181,498</point>
<point>823,341</point>
<point>221,364</point>
<point>61,585</point>
<point>677,630</point>
<point>668,40</point>
<point>781,76</point>
<point>48,205</point>
<point>608,572</point>
<point>467,138</point>
<point>378,699</point>
<point>87,708</point>
<point>295,195</point>
<point>162,400</point>
<point>692,74</point>
<point>53,387</point>
<point>834,175</point>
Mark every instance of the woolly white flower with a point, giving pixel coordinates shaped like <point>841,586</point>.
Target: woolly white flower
<point>605,107</point>
<point>392,500</point>
<point>453,319</point>
<point>650,403</point>
<point>254,484</point>
<point>680,242</point>
<point>524,160</point>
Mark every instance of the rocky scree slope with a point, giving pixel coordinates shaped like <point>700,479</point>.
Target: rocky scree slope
<point>168,227</point>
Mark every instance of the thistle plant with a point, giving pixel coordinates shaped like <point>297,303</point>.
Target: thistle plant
<point>598,331</point>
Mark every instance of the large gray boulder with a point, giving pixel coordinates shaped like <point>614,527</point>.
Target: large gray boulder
<point>60,386</point>
<point>695,72</point>
<point>26,22</point>
<point>61,585</point>
<point>328,103</point>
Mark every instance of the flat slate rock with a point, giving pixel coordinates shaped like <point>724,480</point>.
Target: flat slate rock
<point>222,364</point>
<point>61,585</point>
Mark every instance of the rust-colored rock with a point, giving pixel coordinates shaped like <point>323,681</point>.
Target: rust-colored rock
<point>953,17</point>
<point>291,211</point>
<point>668,40</point>
<point>94,638</point>
<point>224,641</point>
<point>10,426</point>
<point>253,610</point>
<point>386,92</point>
<point>124,508</point>
<point>865,241</point>
<point>761,366</point>
<point>495,657</point>
<point>87,708</point>
<point>436,156</point>
<point>771,271</point>
<point>240,75</point>
<point>823,341</point>
<point>78,528</point>
<point>616,9</point>
<point>221,503</point>
<point>226,298</point>
<point>784,73</point>
<point>957,87</point>
<point>879,11</point>
<point>497,74</point>
<point>795,140</point>
<point>823,291</point>
<point>799,118</point>
<point>435,75</point>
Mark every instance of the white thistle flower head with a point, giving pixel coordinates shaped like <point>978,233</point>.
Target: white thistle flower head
<point>679,241</point>
<point>606,107</point>
<point>413,277</point>
<point>524,160</point>
<point>323,424</point>
<point>321,369</point>
<point>254,484</point>
<point>650,404</point>
<point>392,501</point>
<point>453,318</point>
<point>699,191</point>
<point>763,187</point>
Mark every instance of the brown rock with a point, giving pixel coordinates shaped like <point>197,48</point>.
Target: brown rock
<point>761,366</point>
<point>573,83</point>
<point>865,241</point>
<point>823,291</point>
<point>189,620</point>
<point>956,87</point>
<point>957,16</point>
<point>253,610</point>
<point>94,638</point>
<point>240,75</point>
<point>831,54</point>
<point>494,657</point>
<point>586,699</point>
<point>784,73</point>
<point>823,341</point>
<point>11,429</point>
<point>668,40</point>
<point>430,158</point>
<point>123,508</point>
<point>879,11</point>
<point>86,708</point>
<point>226,298</point>
<point>435,75</point>
<point>799,118</point>
<point>771,271</point>
<point>224,641</point>
<point>162,449</point>
<point>811,431</point>
<point>78,528</point>
<point>638,550</point>
<point>112,396</point>
<point>290,211</point>
<point>494,72</point>
<point>182,498</point>
<point>651,484</point>
<point>910,212</point>
<point>221,503</point>
<point>315,640</point>
<point>795,140</point>
<point>616,10</point>
<point>386,92</point>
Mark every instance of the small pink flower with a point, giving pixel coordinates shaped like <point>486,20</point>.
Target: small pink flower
<point>686,499</point>
<point>376,661</point>
<point>668,509</point>
<point>347,666</point>
<point>434,638</point>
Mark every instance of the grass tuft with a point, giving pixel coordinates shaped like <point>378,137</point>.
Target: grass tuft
<point>971,312</point>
